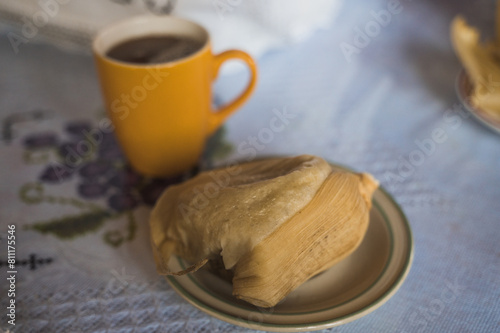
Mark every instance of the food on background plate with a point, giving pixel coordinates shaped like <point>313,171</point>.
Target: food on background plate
<point>481,62</point>
<point>273,223</point>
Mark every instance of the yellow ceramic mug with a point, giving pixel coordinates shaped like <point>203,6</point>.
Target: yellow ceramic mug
<point>163,112</point>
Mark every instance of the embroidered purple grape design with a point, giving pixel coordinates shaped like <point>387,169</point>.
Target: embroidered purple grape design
<point>106,187</point>
<point>55,173</point>
<point>42,140</point>
<point>89,161</point>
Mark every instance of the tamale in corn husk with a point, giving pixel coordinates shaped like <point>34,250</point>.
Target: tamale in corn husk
<point>275,223</point>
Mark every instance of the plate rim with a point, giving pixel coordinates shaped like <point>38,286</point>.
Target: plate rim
<point>321,324</point>
<point>463,97</point>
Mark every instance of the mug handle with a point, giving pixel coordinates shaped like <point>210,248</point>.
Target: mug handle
<point>217,117</point>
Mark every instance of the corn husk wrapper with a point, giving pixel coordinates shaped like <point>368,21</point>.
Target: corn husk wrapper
<point>275,223</point>
<point>481,61</point>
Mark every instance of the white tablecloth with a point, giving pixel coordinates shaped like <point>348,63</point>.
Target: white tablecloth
<point>378,112</point>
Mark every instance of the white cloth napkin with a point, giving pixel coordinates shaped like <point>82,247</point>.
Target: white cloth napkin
<point>253,26</point>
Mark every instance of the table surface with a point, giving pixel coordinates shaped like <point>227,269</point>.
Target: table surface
<point>391,110</point>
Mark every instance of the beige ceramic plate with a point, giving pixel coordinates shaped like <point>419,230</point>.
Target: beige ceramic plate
<point>463,88</point>
<point>349,290</point>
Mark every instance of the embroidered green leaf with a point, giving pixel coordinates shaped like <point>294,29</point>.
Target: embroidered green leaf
<point>217,147</point>
<point>72,202</point>
<point>36,156</point>
<point>74,225</point>
<point>115,237</point>
<point>31,193</point>
<point>131,225</point>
